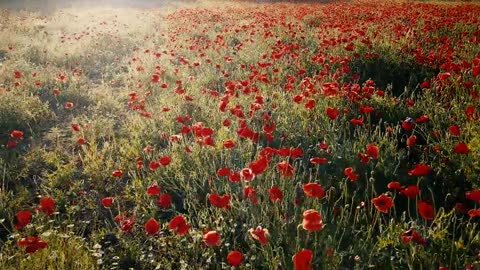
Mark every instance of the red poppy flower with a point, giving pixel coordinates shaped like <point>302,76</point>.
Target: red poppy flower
<point>234,258</point>
<point>139,162</point>
<point>420,170</point>
<point>296,152</point>
<point>349,47</point>
<point>212,238</point>
<point>302,260</point>
<point>47,205</point>
<point>410,191</point>
<point>68,105</point>
<point>56,92</point>
<point>165,160</point>
<point>11,144</point>
<point>223,172</point>
<point>425,84</point>
<point>426,210</point>
<point>17,74</point>
<point>207,141</point>
<point>314,190</point>
<point>147,115</point>
<point>364,158</point>
<point>126,224</point>
<point>476,71</point>
<point>32,243</point>
<point>454,130</point>
<point>155,78</point>
<point>268,152</point>
<point>259,234</point>
<point>408,124</point>
<point>153,190</point>
<point>81,141</point>
<point>234,177</point>
<point>351,175</point>
<point>357,122</point>
<point>148,149</point>
<point>258,166</point>
<point>185,130</point>
<point>247,174</point>
<point>318,160</point>
<point>473,195</point>
<point>117,173</point>
<point>229,143</point>
<point>310,104</point>
<point>23,219</point>
<point>107,202</point>
<point>219,201</point>
<point>366,109</point>
<point>330,88</point>
<point>226,122</point>
<point>411,141</point>
<point>165,200</point>
<point>394,185</point>
<point>412,235</point>
<point>312,220</point>
<point>152,226</point>
<point>372,151</point>
<point>470,112</point>
<point>443,76</point>
<point>154,165</point>
<point>461,148</point>
<point>382,203</point>
<point>284,151</point>
<point>179,225</point>
<point>62,77</point>
<point>285,169</point>
<point>250,193</point>
<point>474,213</point>
<point>246,132</point>
<point>16,134</point>
<point>276,194</point>
<point>269,127</point>
<point>422,119</point>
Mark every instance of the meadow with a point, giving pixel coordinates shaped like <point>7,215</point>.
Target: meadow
<point>240,135</point>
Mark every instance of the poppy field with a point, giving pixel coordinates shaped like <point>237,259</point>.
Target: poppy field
<point>240,135</point>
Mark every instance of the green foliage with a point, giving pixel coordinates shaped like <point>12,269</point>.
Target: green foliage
<point>70,252</point>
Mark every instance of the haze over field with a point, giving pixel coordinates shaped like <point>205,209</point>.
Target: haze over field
<point>50,5</point>
<point>236,135</point>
